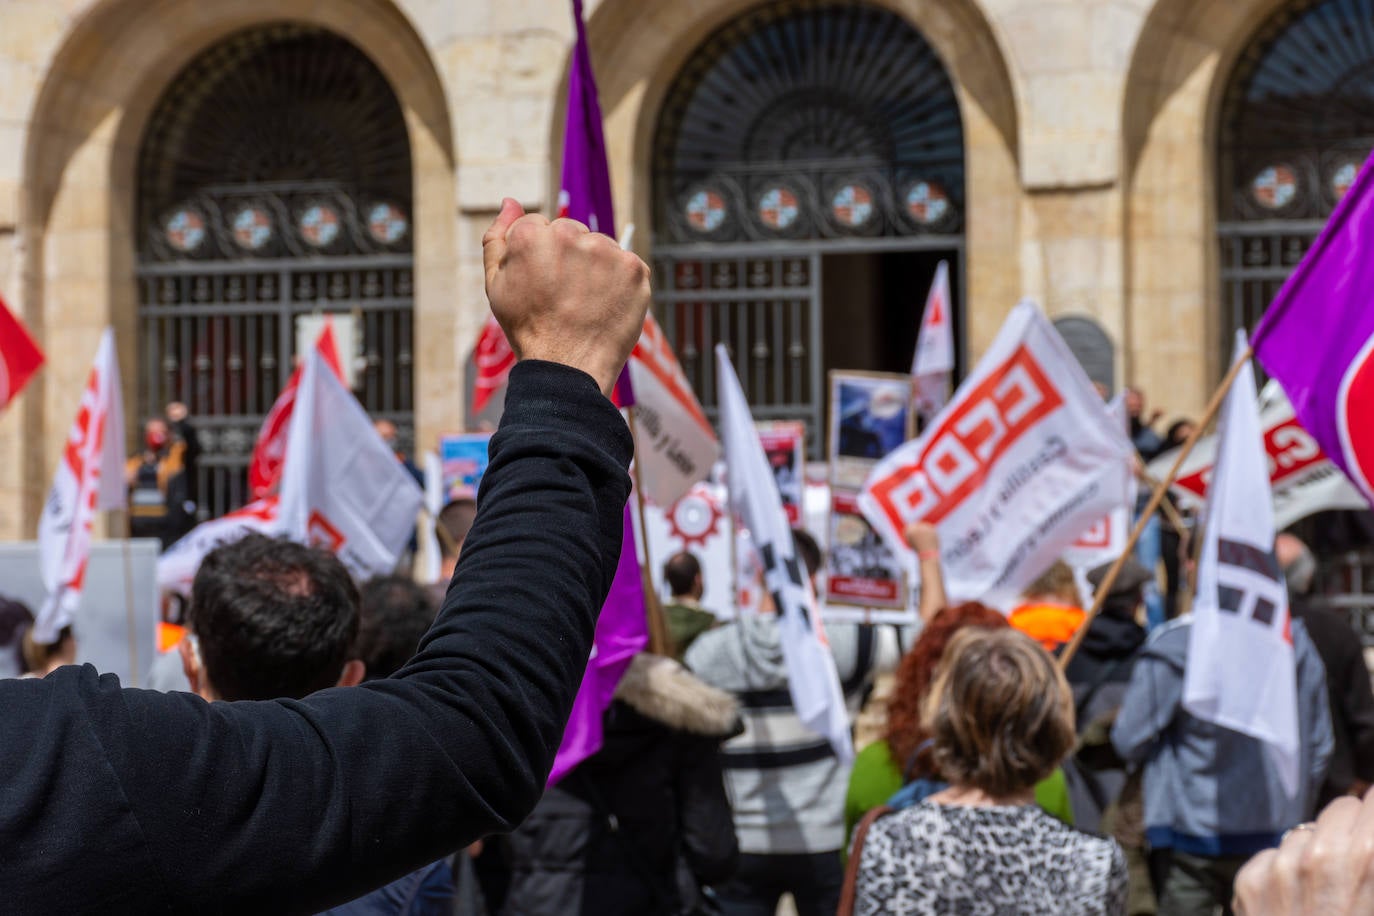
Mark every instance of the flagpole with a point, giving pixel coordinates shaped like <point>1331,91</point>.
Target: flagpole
<point>1152,506</point>
<point>653,608</point>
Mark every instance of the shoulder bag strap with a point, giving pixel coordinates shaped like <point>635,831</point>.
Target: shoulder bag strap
<point>851,868</point>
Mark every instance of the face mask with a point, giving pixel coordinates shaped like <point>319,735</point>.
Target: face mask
<point>156,440</point>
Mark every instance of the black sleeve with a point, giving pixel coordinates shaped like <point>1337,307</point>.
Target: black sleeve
<point>708,827</point>
<point>1358,700</point>
<point>131,799</point>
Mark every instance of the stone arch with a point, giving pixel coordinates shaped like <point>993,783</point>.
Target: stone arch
<point>638,49</point>
<point>78,207</point>
<point>1181,64</point>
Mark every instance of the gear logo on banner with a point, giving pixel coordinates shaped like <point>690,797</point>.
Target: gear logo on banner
<point>693,519</point>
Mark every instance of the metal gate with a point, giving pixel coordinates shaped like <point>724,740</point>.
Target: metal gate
<point>274,182</point>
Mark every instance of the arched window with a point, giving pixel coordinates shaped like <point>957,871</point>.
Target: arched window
<point>809,175</point>
<point>1296,122</point>
<point>274,184</point>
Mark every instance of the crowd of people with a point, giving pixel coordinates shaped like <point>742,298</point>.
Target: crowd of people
<point>395,761</point>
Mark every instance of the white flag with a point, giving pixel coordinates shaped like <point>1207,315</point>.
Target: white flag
<point>342,487</point>
<point>1106,539</point>
<point>178,564</point>
<point>1242,671</point>
<point>434,502</point>
<point>676,446</point>
<point>1022,461</point>
<point>89,478</point>
<point>811,675</point>
<point>932,366</point>
<point>1302,479</point>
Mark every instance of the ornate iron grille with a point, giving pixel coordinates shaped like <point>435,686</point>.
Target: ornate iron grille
<point>274,182</point>
<point>1297,121</point>
<point>799,129</point>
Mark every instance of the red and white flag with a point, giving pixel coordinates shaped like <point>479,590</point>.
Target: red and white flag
<point>494,359</point>
<point>19,356</point>
<point>1242,670</point>
<point>1106,539</point>
<point>264,471</point>
<point>89,478</point>
<point>676,445</point>
<point>812,678</point>
<point>1022,461</point>
<point>932,366</point>
<point>178,564</point>
<point>341,485</point>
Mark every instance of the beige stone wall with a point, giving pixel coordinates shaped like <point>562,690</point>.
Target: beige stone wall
<point>1088,129</point>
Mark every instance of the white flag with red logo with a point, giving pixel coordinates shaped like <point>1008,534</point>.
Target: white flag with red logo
<point>932,366</point>
<point>341,486</point>
<point>1302,478</point>
<point>1105,539</point>
<point>1020,463</point>
<point>178,564</point>
<point>1242,671</point>
<point>676,445</point>
<point>494,359</point>
<point>89,478</point>
<point>264,472</point>
<point>811,675</point>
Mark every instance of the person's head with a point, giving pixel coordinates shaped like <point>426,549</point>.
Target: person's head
<point>1128,589</point>
<point>1000,713</point>
<point>683,574</point>
<point>1134,400</point>
<point>157,435</point>
<point>396,613</point>
<point>1298,565</point>
<point>270,618</point>
<point>1055,584</point>
<point>1178,432</point>
<point>451,527</point>
<point>15,621</point>
<point>42,659</point>
<point>808,551</point>
<point>916,670</point>
<point>387,430</point>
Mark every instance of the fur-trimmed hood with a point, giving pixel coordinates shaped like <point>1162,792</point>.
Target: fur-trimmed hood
<point>661,689</point>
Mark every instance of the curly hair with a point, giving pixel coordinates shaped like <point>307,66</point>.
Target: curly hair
<point>914,674</point>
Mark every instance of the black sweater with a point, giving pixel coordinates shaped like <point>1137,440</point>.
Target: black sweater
<point>121,801</point>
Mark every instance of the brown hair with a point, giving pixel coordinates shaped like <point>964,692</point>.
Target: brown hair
<point>1000,712</point>
<point>905,732</point>
<point>1055,582</point>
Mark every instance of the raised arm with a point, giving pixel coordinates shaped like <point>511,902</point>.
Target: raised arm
<point>161,802</point>
<point>922,538</point>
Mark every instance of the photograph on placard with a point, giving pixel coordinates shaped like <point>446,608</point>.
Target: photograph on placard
<point>860,569</point>
<point>784,443</point>
<point>868,421</point>
<point>464,461</point>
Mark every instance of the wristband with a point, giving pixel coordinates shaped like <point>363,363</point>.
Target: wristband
<point>924,555</point>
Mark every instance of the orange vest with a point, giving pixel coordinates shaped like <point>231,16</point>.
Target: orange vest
<point>1048,623</point>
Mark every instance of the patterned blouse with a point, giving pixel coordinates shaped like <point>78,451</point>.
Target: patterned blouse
<point>933,858</point>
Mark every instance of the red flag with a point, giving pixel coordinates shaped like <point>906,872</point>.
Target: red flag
<point>19,356</point>
<point>270,449</point>
<point>494,359</point>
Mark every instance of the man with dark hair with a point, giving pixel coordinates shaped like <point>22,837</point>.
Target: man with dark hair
<point>1347,678</point>
<point>396,613</point>
<point>451,527</point>
<point>138,801</point>
<point>787,784</point>
<point>685,616</point>
<point>270,618</point>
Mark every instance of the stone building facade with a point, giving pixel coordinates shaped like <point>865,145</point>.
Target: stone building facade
<point>1107,159</point>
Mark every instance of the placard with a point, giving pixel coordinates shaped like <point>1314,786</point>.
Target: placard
<point>784,443</point>
<point>868,421</point>
<point>860,569</point>
<point>464,461</point>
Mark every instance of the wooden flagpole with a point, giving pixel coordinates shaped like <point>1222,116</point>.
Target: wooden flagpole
<point>1152,506</point>
<point>653,607</point>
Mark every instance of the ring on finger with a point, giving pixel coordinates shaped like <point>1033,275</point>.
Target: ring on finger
<point>1300,828</point>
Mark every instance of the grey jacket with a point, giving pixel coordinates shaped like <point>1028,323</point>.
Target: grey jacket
<point>1211,791</point>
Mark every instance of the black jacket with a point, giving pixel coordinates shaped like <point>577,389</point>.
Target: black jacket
<point>132,801</point>
<point>610,838</point>
<point>1349,696</point>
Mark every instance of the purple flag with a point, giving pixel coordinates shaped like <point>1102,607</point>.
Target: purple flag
<point>622,629</point>
<point>1318,335</point>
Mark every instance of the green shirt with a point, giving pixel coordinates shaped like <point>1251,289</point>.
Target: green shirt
<point>686,623</point>
<point>876,777</point>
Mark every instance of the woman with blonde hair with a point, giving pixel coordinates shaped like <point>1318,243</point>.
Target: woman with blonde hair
<point>1001,717</point>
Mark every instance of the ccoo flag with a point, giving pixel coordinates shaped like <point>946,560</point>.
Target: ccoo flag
<point>90,477</point>
<point>264,471</point>
<point>1317,338</point>
<point>1241,670</point>
<point>341,485</point>
<point>811,676</point>
<point>932,366</point>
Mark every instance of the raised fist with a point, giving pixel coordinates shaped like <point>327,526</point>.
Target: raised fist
<point>564,294</point>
